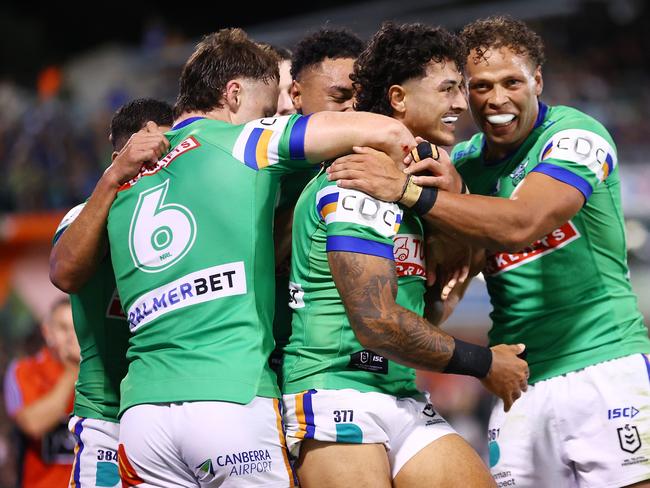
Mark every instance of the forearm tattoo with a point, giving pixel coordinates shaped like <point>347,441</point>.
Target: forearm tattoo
<point>368,287</point>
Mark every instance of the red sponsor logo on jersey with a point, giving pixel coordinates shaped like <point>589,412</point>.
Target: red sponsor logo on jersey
<point>187,145</point>
<point>408,250</point>
<point>503,261</point>
<point>114,310</point>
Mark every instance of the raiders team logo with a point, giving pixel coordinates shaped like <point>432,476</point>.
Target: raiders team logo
<point>519,173</point>
<point>629,438</point>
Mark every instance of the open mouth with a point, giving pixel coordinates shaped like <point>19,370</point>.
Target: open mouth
<point>500,119</point>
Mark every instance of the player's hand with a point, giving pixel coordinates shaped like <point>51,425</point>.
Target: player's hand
<point>448,261</point>
<point>143,149</point>
<point>453,278</point>
<point>370,171</point>
<point>508,376</point>
<point>439,172</point>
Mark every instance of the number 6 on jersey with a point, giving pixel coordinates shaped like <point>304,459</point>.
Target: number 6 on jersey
<point>160,234</point>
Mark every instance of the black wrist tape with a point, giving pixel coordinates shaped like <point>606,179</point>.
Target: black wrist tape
<point>469,359</point>
<point>426,201</point>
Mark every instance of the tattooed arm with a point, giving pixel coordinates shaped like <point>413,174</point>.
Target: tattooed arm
<point>368,287</point>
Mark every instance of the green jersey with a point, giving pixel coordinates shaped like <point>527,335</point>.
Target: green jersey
<point>192,249</point>
<point>323,351</point>
<point>566,296</point>
<point>290,188</point>
<point>103,335</point>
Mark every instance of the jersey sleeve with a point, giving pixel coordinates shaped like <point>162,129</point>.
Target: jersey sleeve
<point>67,220</point>
<point>356,222</point>
<point>580,157</point>
<point>273,144</point>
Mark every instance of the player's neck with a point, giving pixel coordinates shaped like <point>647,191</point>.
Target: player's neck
<point>216,114</point>
<point>500,152</point>
<point>494,153</point>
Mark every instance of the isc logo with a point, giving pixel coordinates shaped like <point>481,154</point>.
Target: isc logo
<point>628,412</point>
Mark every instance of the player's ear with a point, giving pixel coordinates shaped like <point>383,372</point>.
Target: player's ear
<point>114,155</point>
<point>296,95</point>
<point>539,81</point>
<point>397,99</point>
<point>233,95</point>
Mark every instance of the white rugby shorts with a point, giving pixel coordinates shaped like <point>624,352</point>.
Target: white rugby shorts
<point>95,453</point>
<point>403,425</point>
<point>205,444</point>
<point>586,428</point>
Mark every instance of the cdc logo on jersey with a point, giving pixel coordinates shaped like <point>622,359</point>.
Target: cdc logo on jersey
<point>359,208</point>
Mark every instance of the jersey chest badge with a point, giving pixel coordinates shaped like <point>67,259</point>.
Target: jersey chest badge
<point>519,173</point>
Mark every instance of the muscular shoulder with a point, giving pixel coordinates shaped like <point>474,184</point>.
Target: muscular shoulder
<point>576,149</point>
<point>67,220</point>
<point>562,118</point>
<point>575,137</point>
<point>265,143</point>
<point>343,206</point>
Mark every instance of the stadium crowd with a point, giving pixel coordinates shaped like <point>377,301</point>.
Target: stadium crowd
<point>53,143</point>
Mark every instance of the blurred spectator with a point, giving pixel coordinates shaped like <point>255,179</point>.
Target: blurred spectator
<point>38,394</point>
<point>51,160</point>
<point>49,82</point>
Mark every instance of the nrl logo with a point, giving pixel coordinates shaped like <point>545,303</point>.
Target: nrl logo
<point>629,438</point>
<point>429,411</point>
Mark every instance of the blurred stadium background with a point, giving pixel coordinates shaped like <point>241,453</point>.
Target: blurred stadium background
<point>61,81</point>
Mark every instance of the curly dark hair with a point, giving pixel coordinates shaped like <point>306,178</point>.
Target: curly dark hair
<point>132,116</point>
<point>217,59</point>
<point>503,31</point>
<point>397,53</point>
<point>322,44</point>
